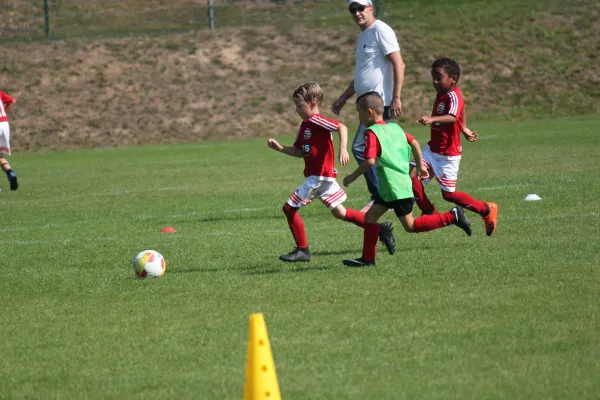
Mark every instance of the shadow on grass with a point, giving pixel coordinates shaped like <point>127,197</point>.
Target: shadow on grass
<point>284,268</point>
<point>355,252</point>
<point>235,217</point>
<point>190,270</point>
<point>219,218</point>
<point>333,252</point>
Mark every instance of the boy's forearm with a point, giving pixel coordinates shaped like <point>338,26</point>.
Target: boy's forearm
<point>464,121</point>
<point>363,167</point>
<point>417,154</point>
<point>343,132</point>
<point>292,151</point>
<point>444,119</point>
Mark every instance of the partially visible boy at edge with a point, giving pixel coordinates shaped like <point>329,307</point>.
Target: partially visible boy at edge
<point>442,153</point>
<point>388,147</point>
<point>6,102</point>
<point>314,143</point>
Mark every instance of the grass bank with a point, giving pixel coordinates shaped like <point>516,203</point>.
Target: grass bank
<point>103,88</point>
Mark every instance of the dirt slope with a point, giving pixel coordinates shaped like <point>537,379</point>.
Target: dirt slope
<point>237,82</point>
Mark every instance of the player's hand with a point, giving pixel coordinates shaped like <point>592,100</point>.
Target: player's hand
<point>338,105</point>
<point>470,135</point>
<point>422,173</point>
<point>348,180</point>
<point>425,120</point>
<point>274,144</point>
<point>396,108</point>
<point>344,157</point>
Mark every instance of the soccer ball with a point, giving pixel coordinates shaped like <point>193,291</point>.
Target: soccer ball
<point>149,264</point>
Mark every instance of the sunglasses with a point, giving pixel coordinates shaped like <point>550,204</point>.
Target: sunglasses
<point>354,10</point>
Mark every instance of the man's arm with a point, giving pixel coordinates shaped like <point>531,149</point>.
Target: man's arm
<point>341,101</point>
<point>398,67</point>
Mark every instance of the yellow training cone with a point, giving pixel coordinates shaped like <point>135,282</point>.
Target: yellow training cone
<point>261,379</point>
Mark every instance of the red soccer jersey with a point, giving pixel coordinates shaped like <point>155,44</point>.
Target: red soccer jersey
<point>316,142</point>
<point>372,145</point>
<point>445,138</point>
<point>4,100</point>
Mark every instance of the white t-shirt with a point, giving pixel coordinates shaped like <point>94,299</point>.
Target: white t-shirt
<point>373,72</point>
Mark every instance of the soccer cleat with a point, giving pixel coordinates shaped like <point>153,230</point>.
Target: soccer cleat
<point>12,179</point>
<point>460,220</point>
<point>367,207</point>
<point>491,219</point>
<point>387,237</point>
<point>358,262</point>
<point>296,255</point>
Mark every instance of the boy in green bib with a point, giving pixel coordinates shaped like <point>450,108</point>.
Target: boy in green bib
<point>389,148</point>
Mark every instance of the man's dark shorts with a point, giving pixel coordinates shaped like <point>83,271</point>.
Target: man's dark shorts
<point>401,207</point>
<point>386,113</point>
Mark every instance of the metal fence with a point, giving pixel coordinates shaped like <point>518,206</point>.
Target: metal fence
<point>35,20</point>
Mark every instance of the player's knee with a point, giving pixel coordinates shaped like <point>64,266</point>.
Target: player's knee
<point>339,214</point>
<point>409,226</point>
<point>288,210</point>
<point>448,196</point>
<point>370,219</point>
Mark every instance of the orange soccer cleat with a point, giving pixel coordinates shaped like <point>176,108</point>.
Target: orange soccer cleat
<point>491,220</point>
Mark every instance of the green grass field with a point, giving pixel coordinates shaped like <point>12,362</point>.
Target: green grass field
<point>448,317</point>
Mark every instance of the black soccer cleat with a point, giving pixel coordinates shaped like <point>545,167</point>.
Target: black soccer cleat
<point>12,179</point>
<point>296,255</point>
<point>387,237</point>
<point>358,262</point>
<point>460,220</point>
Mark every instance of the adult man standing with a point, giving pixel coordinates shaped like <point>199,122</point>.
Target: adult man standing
<point>379,68</point>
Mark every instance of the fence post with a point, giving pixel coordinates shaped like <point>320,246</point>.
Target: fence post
<point>47,19</point>
<point>211,14</point>
<point>378,8</point>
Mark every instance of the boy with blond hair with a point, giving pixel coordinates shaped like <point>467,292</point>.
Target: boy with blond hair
<point>389,148</point>
<point>314,143</point>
